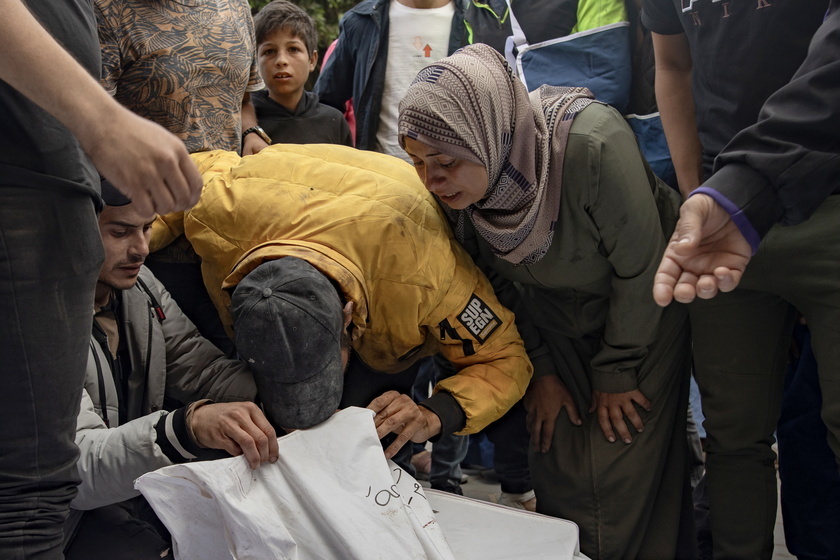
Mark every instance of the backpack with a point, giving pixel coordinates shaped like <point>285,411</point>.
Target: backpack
<point>589,43</point>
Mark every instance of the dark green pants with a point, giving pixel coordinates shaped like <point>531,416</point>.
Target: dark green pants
<point>741,341</point>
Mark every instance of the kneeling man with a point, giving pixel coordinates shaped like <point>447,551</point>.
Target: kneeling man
<point>156,393</point>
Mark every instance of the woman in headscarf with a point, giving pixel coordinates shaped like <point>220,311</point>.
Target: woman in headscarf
<point>552,198</point>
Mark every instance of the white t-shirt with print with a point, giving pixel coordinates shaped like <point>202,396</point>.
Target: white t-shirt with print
<point>416,38</point>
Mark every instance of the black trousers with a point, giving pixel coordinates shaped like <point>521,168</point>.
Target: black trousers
<point>510,438</point>
<point>129,531</point>
<point>741,341</point>
<point>50,255</point>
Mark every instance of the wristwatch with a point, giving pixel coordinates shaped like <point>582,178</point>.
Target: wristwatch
<point>259,131</point>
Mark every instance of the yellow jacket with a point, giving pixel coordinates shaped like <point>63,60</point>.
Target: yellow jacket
<point>364,220</point>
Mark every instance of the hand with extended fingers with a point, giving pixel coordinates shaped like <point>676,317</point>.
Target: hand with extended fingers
<point>706,254</point>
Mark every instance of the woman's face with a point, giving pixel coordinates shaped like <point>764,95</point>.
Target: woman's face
<point>457,182</point>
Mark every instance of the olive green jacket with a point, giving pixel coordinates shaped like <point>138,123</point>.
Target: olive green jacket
<point>596,279</point>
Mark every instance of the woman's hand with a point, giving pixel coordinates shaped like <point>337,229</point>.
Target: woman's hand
<point>613,407</point>
<point>544,399</point>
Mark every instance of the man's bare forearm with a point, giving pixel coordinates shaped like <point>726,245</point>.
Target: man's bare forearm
<point>676,108</point>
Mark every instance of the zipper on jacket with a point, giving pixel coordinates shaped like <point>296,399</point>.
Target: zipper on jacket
<point>489,8</point>
<point>446,329</point>
<point>482,6</point>
<point>153,310</point>
<point>103,400</point>
<point>117,372</point>
<point>157,309</point>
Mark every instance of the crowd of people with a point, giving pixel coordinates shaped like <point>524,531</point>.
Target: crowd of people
<point>197,255</point>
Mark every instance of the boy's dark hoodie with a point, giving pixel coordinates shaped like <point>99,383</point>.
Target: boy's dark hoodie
<point>311,123</point>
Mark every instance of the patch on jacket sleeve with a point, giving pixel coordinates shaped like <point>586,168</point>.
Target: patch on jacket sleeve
<point>479,319</point>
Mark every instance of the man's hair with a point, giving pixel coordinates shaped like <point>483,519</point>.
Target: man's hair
<point>278,14</point>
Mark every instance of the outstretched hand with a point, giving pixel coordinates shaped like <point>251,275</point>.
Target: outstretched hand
<point>397,413</point>
<point>706,254</point>
<point>238,428</point>
<point>545,398</point>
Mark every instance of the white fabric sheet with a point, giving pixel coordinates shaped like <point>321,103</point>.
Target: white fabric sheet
<point>478,530</point>
<point>333,495</point>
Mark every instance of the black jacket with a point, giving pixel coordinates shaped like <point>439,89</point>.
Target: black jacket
<point>784,166</point>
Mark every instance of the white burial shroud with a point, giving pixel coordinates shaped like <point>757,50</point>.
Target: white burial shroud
<point>332,494</point>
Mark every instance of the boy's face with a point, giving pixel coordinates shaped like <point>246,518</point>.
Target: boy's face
<point>285,64</point>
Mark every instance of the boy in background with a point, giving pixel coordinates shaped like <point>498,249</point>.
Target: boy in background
<point>286,54</point>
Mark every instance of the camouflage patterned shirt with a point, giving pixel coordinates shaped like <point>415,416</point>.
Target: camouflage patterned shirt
<point>185,64</point>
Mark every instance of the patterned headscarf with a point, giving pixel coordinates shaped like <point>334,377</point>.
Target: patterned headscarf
<point>470,106</point>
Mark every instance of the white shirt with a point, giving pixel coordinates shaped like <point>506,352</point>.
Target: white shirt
<point>416,38</point>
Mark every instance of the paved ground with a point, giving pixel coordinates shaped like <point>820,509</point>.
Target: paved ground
<point>781,551</point>
<point>482,488</point>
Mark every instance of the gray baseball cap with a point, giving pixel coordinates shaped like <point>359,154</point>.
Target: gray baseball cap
<point>287,326</point>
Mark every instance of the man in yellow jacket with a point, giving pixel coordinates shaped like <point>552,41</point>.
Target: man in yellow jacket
<point>303,246</point>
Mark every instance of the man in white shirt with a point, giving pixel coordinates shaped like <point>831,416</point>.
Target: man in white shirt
<point>381,46</point>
